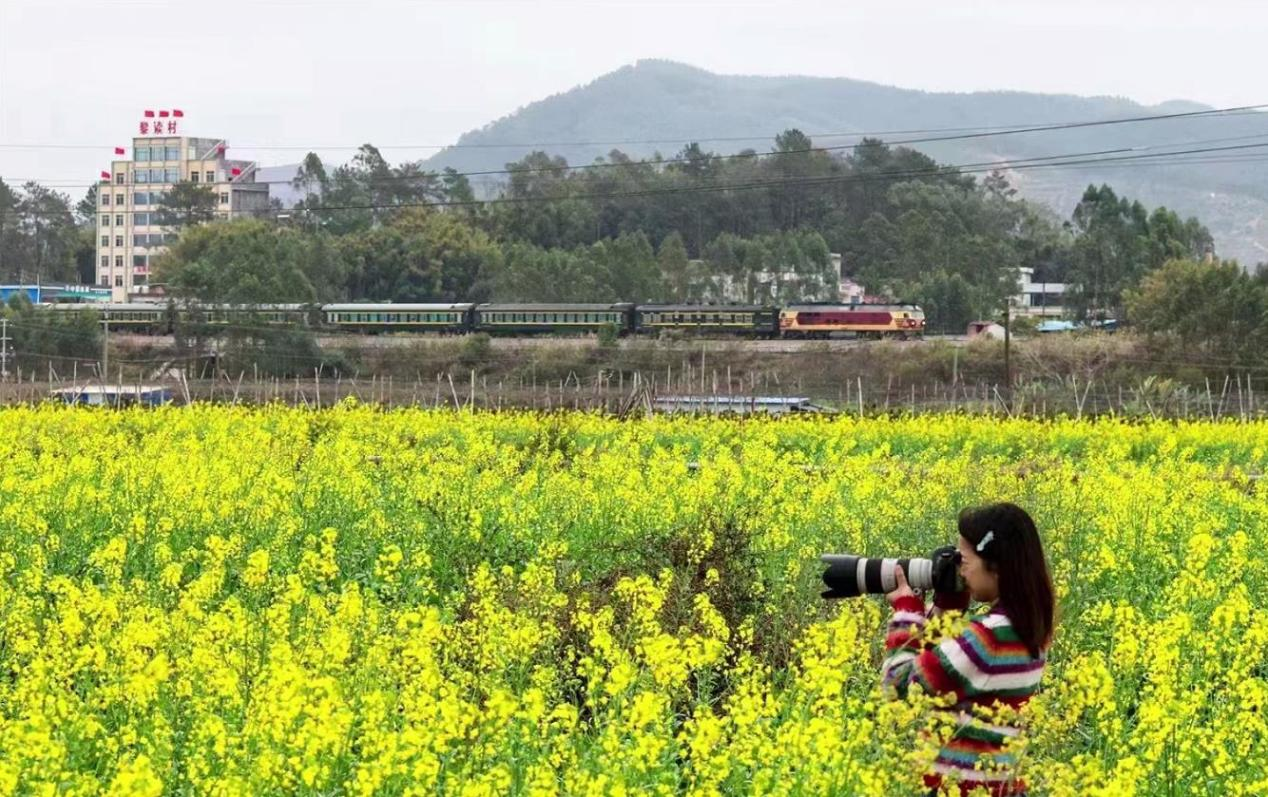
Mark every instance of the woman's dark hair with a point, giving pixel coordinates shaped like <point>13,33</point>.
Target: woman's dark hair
<point>1015,553</point>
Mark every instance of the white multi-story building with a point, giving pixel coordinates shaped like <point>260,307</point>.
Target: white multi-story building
<point>1038,299</point>
<point>128,235</point>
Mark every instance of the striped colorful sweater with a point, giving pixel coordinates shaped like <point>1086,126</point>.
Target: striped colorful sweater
<point>985,666</point>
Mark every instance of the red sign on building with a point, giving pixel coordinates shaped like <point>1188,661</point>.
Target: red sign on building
<point>166,125</point>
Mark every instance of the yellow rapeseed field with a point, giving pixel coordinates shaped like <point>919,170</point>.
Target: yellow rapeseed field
<point>229,601</point>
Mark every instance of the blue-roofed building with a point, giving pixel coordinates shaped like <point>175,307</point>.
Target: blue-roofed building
<point>42,294</point>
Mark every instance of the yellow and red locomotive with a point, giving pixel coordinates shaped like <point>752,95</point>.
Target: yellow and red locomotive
<point>864,320</point>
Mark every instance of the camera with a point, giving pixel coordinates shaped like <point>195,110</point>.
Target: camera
<point>848,576</point>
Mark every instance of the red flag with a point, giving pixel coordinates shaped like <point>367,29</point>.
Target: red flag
<point>162,114</point>
<point>235,172</point>
<point>105,175</point>
<point>120,151</point>
<point>149,114</point>
<point>220,150</point>
<point>178,114</point>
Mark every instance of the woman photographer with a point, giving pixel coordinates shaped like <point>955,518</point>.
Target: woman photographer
<point>995,662</point>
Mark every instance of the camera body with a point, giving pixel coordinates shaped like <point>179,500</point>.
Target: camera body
<point>848,576</point>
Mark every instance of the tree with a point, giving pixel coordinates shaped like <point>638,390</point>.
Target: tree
<point>10,231</point>
<point>673,263</point>
<point>38,337</point>
<point>248,261</point>
<point>37,233</point>
<point>86,210</point>
<point>1117,242</point>
<point>629,269</point>
<point>187,204</point>
<point>421,255</point>
<point>1215,309</point>
<point>310,179</point>
<point>530,273</point>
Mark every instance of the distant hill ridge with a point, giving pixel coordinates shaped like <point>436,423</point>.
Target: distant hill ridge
<point>658,106</point>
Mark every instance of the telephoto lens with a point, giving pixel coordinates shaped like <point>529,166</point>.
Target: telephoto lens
<point>849,576</point>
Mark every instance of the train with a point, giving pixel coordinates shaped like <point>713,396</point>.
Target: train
<point>799,321</point>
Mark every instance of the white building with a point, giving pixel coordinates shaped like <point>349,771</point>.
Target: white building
<point>850,292</point>
<point>130,194</point>
<point>1038,299</point>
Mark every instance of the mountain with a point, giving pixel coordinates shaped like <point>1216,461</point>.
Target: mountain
<point>658,106</point>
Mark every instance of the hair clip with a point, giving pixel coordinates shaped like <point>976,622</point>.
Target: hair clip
<point>990,535</point>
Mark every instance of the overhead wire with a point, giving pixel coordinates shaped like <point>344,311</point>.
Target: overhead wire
<point>1065,160</point>
<point>661,162</point>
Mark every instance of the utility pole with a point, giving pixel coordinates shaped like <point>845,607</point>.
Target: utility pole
<point>4,349</point>
<point>1008,323</point>
<point>1008,362</point>
<point>105,349</point>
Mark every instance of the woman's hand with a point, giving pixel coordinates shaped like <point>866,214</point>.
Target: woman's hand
<point>902,590</point>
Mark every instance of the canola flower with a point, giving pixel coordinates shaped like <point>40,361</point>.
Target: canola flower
<point>225,601</point>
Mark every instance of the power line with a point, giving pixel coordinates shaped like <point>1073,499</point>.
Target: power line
<point>954,170</point>
<point>979,133</point>
<point>440,176</point>
<point>1067,160</point>
<point>976,131</point>
<point>837,148</point>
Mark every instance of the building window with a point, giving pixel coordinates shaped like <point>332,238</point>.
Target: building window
<point>156,175</point>
<point>141,153</point>
<point>211,176</point>
<point>105,240</point>
<point>105,200</point>
<point>193,177</point>
<point>224,197</point>
<point>118,220</point>
<point>140,219</point>
<point>105,221</point>
<point>140,198</point>
<point>118,178</point>
<point>118,240</point>
<point>118,199</point>
<point>173,153</point>
<point>118,261</point>
<point>118,280</point>
<point>105,261</point>
<point>139,279</point>
<point>138,261</point>
<point>172,176</point>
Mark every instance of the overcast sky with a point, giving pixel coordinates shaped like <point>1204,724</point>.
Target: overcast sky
<point>325,74</point>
